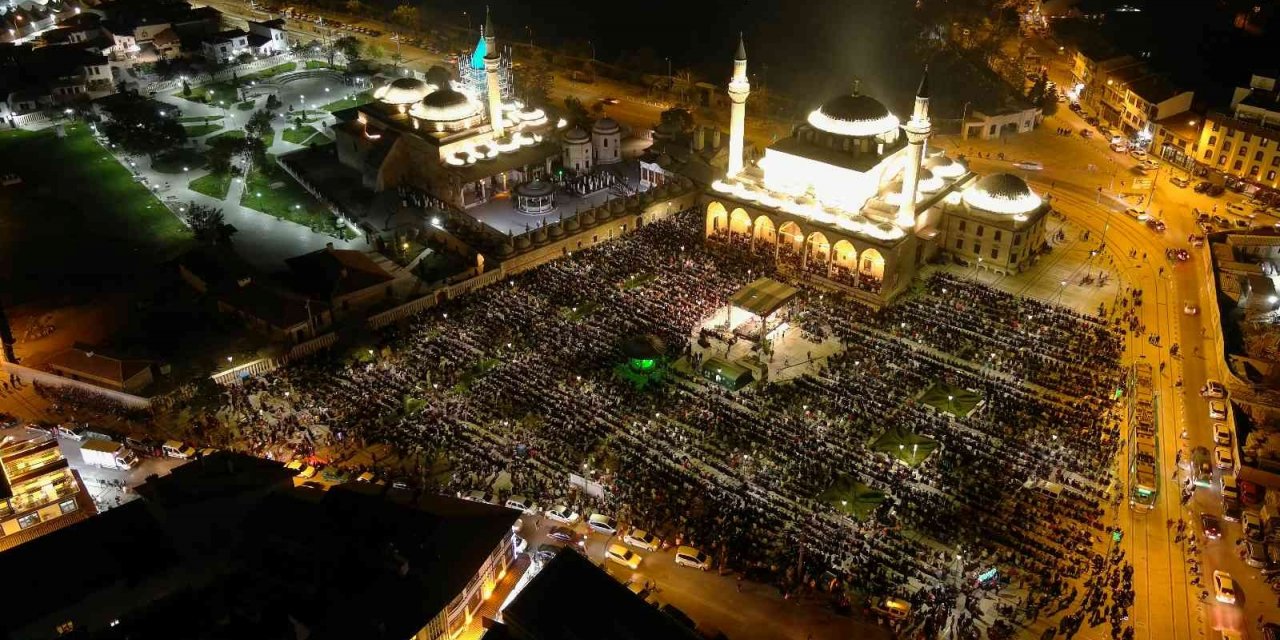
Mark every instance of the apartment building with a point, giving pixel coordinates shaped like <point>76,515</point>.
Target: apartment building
<point>39,492</point>
<point>1124,92</point>
<point>1244,141</point>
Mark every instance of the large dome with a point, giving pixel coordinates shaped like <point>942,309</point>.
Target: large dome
<point>854,114</point>
<point>445,105</point>
<point>605,126</point>
<point>402,91</point>
<point>1002,193</point>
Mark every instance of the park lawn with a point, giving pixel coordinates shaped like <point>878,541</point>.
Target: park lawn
<point>247,105</point>
<point>78,222</point>
<point>214,185</point>
<point>195,131</point>
<point>318,139</point>
<point>199,119</point>
<point>178,160</point>
<point>299,135</point>
<point>272,191</point>
<point>318,64</point>
<point>229,133</point>
<point>348,102</point>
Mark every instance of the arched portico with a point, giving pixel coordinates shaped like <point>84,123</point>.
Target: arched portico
<point>818,251</point>
<point>871,269</point>
<point>765,231</point>
<point>791,237</point>
<point>717,219</point>
<point>740,222</point>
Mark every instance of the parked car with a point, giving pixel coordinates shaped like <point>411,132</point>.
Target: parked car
<point>1029,165</point>
<point>1221,434</point>
<point>1216,190</point>
<point>690,557</point>
<point>1213,389</point>
<point>623,556</point>
<point>600,523</point>
<point>520,503</point>
<point>1252,526</point>
<point>304,469</point>
<point>1136,214</point>
<point>1217,410</point>
<point>641,539</point>
<point>563,514</point>
<point>1224,458</point>
<point>1156,225</point>
<point>1119,147</point>
<point>1138,154</point>
<point>563,534</point>
<point>546,551</point>
<point>1190,309</point>
<point>178,449</point>
<point>70,432</point>
<point>1179,182</point>
<point>476,495</point>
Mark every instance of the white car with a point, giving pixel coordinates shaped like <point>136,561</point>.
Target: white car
<point>1221,434</point>
<point>1138,154</point>
<point>1136,214</point>
<point>600,523</point>
<point>1029,165</point>
<point>520,503</point>
<point>1119,147</point>
<point>563,514</point>
<point>1190,309</point>
<point>690,557</point>
<point>476,495</point>
<point>641,539</point>
<point>70,433</point>
<point>1224,458</point>
<point>1213,389</point>
<point>1217,410</point>
<point>1224,588</point>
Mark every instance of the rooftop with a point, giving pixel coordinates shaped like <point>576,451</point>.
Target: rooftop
<point>335,272</point>
<point>600,607</point>
<point>97,363</point>
<point>763,296</point>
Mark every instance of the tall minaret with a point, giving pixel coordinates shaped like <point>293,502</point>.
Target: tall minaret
<point>492,59</point>
<point>917,130</point>
<point>739,89</point>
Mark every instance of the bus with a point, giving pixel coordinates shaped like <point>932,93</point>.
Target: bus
<point>1144,445</point>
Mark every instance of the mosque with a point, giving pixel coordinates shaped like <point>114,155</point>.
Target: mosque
<point>854,199</point>
<point>466,140</point>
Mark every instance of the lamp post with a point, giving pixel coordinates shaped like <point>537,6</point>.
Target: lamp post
<point>468,17</point>
<point>593,50</point>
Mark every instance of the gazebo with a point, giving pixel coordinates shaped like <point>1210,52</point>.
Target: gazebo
<point>536,197</point>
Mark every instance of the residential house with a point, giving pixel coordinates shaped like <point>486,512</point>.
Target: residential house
<point>268,38</point>
<point>225,46</point>
<point>100,367</point>
<point>40,78</point>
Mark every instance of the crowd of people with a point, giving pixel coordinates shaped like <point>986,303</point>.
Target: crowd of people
<point>512,388</point>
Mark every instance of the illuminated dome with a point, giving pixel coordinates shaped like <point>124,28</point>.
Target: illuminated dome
<point>445,105</point>
<point>605,126</point>
<point>945,168</point>
<point>402,91</point>
<point>576,136</point>
<point>439,76</point>
<point>854,114</point>
<point>1002,193</point>
<point>928,182</point>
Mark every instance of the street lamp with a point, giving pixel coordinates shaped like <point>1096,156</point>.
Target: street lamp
<point>468,17</point>
<point>593,50</point>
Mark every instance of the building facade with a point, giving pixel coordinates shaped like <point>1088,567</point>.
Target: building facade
<point>1244,141</point>
<point>39,492</point>
<point>1125,93</point>
<point>855,200</point>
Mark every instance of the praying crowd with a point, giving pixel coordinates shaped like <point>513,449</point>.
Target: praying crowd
<point>517,381</point>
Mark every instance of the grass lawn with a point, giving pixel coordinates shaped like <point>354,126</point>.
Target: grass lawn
<point>229,133</point>
<point>195,131</point>
<point>639,280</point>
<point>353,100</point>
<point>318,64</point>
<point>908,447</point>
<point>247,105</point>
<point>214,185</point>
<point>199,119</point>
<point>299,135</point>
<point>78,222</point>
<point>212,92</point>
<point>318,139</point>
<point>950,399</point>
<point>852,498</point>
<point>178,159</point>
<point>272,191</point>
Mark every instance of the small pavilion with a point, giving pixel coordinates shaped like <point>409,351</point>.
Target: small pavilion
<point>762,307</point>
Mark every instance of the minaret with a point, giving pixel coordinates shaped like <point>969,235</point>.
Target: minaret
<point>492,59</point>
<point>917,130</point>
<point>739,89</point>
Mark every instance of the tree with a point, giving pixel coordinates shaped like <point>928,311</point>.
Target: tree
<point>354,7</point>
<point>407,15</point>
<point>244,58</point>
<point>136,125</point>
<point>576,112</point>
<point>259,125</point>
<point>186,89</point>
<point>534,81</point>
<point>680,117</point>
<point>348,46</point>
<point>373,51</point>
<point>207,223</point>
